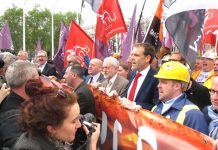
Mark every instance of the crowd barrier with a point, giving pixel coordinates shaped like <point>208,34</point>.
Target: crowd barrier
<point>143,130</point>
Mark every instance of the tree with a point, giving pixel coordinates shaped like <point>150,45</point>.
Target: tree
<point>38,25</point>
<point>14,18</point>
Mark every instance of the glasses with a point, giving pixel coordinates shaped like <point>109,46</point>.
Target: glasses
<point>61,93</point>
<point>41,56</point>
<point>213,91</point>
<point>174,60</point>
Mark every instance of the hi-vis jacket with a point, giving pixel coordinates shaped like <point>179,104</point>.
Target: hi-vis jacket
<point>184,112</point>
<point>207,82</point>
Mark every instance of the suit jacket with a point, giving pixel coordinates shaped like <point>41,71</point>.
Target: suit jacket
<point>120,85</point>
<point>100,78</point>
<point>49,70</point>
<point>85,99</point>
<point>147,95</point>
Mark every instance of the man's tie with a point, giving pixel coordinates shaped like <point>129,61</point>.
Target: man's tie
<point>90,80</point>
<point>134,85</point>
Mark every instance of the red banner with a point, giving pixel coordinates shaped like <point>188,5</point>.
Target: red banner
<point>78,40</point>
<point>109,20</point>
<point>125,129</point>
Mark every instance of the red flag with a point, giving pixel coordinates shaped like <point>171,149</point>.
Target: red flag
<point>109,20</point>
<point>210,28</point>
<point>78,40</point>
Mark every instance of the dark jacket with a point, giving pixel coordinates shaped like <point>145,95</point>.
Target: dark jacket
<point>86,103</point>
<point>9,129</point>
<point>85,99</point>
<point>198,94</point>
<point>49,70</point>
<point>147,95</point>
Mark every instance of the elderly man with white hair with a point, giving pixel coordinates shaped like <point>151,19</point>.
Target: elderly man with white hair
<point>207,72</point>
<point>113,82</point>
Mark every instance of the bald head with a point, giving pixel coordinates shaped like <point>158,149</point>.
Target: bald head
<point>215,82</point>
<point>22,55</point>
<point>95,66</point>
<point>214,93</point>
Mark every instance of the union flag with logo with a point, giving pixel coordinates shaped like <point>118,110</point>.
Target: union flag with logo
<point>78,41</point>
<point>210,29</point>
<point>110,20</point>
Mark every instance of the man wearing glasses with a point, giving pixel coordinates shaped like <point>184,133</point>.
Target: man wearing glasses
<point>211,111</point>
<point>45,68</point>
<point>196,93</point>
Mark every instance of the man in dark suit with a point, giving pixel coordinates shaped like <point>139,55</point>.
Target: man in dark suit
<point>74,78</point>
<point>44,67</point>
<point>145,93</point>
<point>94,70</point>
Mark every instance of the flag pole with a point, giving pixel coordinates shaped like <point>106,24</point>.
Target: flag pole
<point>216,41</point>
<point>24,27</point>
<point>52,34</point>
<point>81,9</point>
<point>150,23</point>
<point>52,30</point>
<point>139,20</point>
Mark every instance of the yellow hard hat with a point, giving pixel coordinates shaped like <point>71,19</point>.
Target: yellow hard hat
<point>174,71</point>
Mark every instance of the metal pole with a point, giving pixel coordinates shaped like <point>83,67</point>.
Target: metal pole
<point>24,27</point>
<point>52,30</point>
<point>139,20</point>
<point>52,35</point>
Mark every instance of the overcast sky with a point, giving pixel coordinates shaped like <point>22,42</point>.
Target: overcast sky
<point>88,16</point>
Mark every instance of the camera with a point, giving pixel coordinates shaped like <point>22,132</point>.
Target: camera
<point>87,120</point>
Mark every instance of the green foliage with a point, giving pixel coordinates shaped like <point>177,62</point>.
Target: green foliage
<point>38,25</point>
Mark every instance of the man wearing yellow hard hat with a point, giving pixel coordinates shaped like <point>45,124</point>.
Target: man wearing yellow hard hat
<point>173,80</point>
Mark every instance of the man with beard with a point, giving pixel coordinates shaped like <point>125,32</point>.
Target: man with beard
<point>113,81</point>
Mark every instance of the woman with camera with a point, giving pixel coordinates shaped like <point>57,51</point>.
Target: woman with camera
<point>50,119</point>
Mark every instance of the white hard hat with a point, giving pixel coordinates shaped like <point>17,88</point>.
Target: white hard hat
<point>209,54</point>
<point>166,57</point>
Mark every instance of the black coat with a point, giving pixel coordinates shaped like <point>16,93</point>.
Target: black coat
<point>198,94</point>
<point>9,129</point>
<point>85,99</point>
<point>49,70</point>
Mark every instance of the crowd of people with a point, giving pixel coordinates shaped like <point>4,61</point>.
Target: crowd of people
<point>40,113</point>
